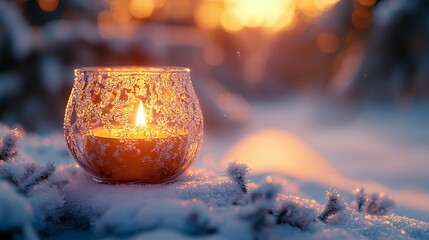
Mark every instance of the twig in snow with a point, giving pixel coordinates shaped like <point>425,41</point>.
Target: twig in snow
<point>360,198</point>
<point>9,144</point>
<point>379,204</point>
<point>334,205</point>
<point>237,173</point>
<point>293,214</point>
<point>266,192</point>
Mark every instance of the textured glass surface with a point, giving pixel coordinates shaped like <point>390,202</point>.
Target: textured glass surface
<point>114,141</point>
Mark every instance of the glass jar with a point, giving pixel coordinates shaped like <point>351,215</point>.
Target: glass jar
<point>133,124</point>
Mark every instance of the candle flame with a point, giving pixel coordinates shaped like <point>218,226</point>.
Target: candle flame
<point>140,119</point>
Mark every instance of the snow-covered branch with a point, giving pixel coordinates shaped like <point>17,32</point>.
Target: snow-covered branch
<point>9,144</point>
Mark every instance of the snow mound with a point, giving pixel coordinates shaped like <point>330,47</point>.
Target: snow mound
<point>63,202</point>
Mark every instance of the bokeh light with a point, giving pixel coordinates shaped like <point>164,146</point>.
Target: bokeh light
<point>367,2</point>
<point>327,42</point>
<point>142,8</point>
<point>274,14</point>
<point>207,14</point>
<point>361,18</point>
<point>48,5</point>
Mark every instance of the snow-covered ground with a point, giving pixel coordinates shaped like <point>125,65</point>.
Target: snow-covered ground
<point>382,147</point>
<point>296,149</point>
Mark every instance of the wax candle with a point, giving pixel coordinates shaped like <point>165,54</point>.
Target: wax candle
<point>147,154</point>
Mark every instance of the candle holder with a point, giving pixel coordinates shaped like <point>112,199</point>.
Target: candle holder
<point>133,124</point>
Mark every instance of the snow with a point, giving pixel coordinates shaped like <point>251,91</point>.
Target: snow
<point>276,187</point>
<point>10,200</point>
<point>314,144</point>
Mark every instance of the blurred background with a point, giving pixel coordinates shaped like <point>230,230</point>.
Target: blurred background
<point>321,88</point>
<point>239,51</point>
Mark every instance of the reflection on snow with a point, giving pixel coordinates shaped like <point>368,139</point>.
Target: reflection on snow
<point>277,151</point>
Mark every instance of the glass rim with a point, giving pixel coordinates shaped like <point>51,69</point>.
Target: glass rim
<point>134,69</point>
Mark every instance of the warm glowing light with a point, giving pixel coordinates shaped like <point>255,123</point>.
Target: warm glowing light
<point>229,21</point>
<point>326,5</point>
<point>120,11</point>
<point>313,9</point>
<point>308,8</point>
<point>367,2</point>
<point>142,8</point>
<point>207,14</point>
<point>110,27</point>
<point>327,42</point>
<point>179,10</point>
<point>361,18</point>
<point>285,153</point>
<point>159,3</point>
<point>140,119</point>
<point>48,5</point>
<point>274,14</point>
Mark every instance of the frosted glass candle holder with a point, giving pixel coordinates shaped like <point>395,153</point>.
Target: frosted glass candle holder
<point>133,124</point>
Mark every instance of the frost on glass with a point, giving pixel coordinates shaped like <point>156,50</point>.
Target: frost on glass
<point>101,130</point>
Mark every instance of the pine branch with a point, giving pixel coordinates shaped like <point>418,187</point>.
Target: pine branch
<point>39,175</point>
<point>7,175</point>
<point>30,168</point>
